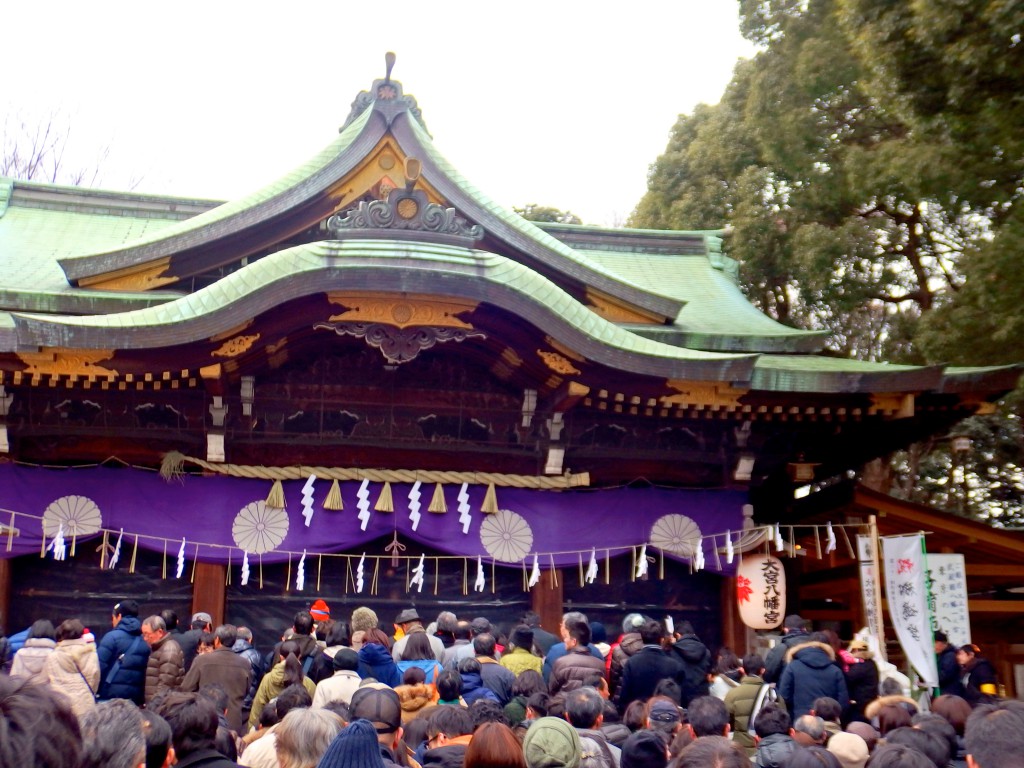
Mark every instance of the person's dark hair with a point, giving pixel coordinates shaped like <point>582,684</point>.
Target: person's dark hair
<point>451,721</point>
<point>41,629</point>
<point>583,706</point>
<point>611,714</point>
<point>643,749</point>
<point>321,629</point>
<point>339,634</point>
<point>707,716</point>
<point>494,745</point>
<point>289,652</point>
<point>340,708</point>
<point>268,716</point>
<point>215,694</point>
<point>531,619</point>
<point>940,729</point>
<point>293,697</point>
<point>651,632</point>
<point>684,628</point>
<point>193,722</point>
<point>449,685</point>
<point>924,742</point>
<point>487,711</point>
<point>69,629</point>
<point>205,641</point>
<point>157,735</point>
<point>728,661</point>
<point>463,630</point>
<point>170,619</point>
<point>376,636</point>
<point>901,756</point>
<point>827,708</point>
<point>891,717</point>
<point>417,647</point>
<point>713,752</point>
<point>635,716</point>
<point>414,675</point>
<point>416,731</point>
<point>670,688</point>
<point>469,665</point>
<point>528,682</point>
<point>770,720</point>
<point>992,735</point>
<point>483,644</point>
<point>37,727</point>
<point>127,607</point>
<point>112,736</point>
<point>198,624</point>
<point>539,702</point>
<point>227,634</point>
<point>753,664</point>
<point>941,636</point>
<point>594,680</point>
<point>580,632</point>
<point>953,709</point>
<point>303,623</point>
<point>812,756</point>
<point>890,686</point>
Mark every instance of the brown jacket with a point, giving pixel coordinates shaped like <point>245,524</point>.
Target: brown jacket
<point>166,667</point>
<point>230,670</point>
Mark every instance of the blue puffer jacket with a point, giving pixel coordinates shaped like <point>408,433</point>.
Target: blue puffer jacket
<point>473,688</point>
<point>123,642</point>
<point>375,661</point>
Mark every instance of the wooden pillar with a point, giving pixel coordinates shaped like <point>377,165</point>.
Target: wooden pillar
<point>547,599</point>
<point>209,591</point>
<point>5,596</point>
<point>735,633</point>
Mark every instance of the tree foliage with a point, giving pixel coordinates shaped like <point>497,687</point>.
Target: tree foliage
<point>545,213</point>
<point>867,164</point>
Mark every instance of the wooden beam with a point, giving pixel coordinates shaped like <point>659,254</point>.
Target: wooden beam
<point>1003,569</point>
<point>1014,607</point>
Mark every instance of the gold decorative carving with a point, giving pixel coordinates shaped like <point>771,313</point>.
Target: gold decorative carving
<point>702,393</point>
<point>371,172</point>
<point>401,312</point>
<point>211,371</point>
<point>511,357</point>
<point>897,404</point>
<point>232,331</point>
<point>61,362</point>
<point>236,346</point>
<point>142,277</point>
<point>557,363</point>
<point>560,347</point>
<point>616,311</point>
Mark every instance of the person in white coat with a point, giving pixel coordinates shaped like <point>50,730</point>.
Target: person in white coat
<point>73,668</point>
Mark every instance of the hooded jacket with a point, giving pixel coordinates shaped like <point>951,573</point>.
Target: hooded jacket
<point>413,699</point>
<point>30,661</point>
<point>776,659</point>
<point>810,673</point>
<point>473,688</point>
<point>697,663</point>
<point>74,669</point>
<point>618,656</point>
<point>270,688</point>
<point>774,751</point>
<point>124,642</point>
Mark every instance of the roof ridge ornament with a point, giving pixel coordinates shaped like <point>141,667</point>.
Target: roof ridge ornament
<point>404,209</point>
<point>386,97</point>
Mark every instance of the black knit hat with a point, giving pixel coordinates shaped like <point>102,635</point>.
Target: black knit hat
<point>522,637</point>
<point>354,745</point>
<point>644,749</point>
<point>346,658</point>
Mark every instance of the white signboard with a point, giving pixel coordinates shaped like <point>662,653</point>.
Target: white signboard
<point>949,593</point>
<point>870,588</point>
<point>907,590</point>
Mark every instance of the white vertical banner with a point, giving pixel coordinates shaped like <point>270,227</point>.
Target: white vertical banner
<point>949,593</point>
<point>906,587</point>
<point>870,591</point>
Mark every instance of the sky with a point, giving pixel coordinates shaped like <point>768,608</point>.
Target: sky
<point>561,103</point>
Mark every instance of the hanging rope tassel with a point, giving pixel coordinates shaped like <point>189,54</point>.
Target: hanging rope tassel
<point>437,504</point>
<point>275,499</point>
<point>385,503</point>
<point>490,502</point>
<point>333,501</point>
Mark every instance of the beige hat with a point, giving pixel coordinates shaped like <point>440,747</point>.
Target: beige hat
<point>849,748</point>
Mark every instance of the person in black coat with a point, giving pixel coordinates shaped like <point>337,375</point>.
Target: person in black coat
<point>979,677</point>
<point>697,662</point>
<point>949,667</point>
<point>861,680</point>
<point>647,667</point>
<point>193,721</point>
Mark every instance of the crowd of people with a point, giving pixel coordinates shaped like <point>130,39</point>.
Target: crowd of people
<point>356,693</point>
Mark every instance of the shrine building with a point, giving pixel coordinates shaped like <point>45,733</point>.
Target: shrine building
<point>370,383</point>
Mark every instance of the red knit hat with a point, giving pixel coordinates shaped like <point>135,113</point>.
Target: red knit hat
<point>320,611</point>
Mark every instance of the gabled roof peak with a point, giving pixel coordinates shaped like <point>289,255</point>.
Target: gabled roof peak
<point>386,97</point>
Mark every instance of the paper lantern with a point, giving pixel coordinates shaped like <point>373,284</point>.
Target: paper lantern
<point>761,591</point>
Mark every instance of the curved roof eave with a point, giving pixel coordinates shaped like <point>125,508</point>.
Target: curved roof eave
<point>516,231</point>
<point>303,183</point>
<point>394,266</point>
